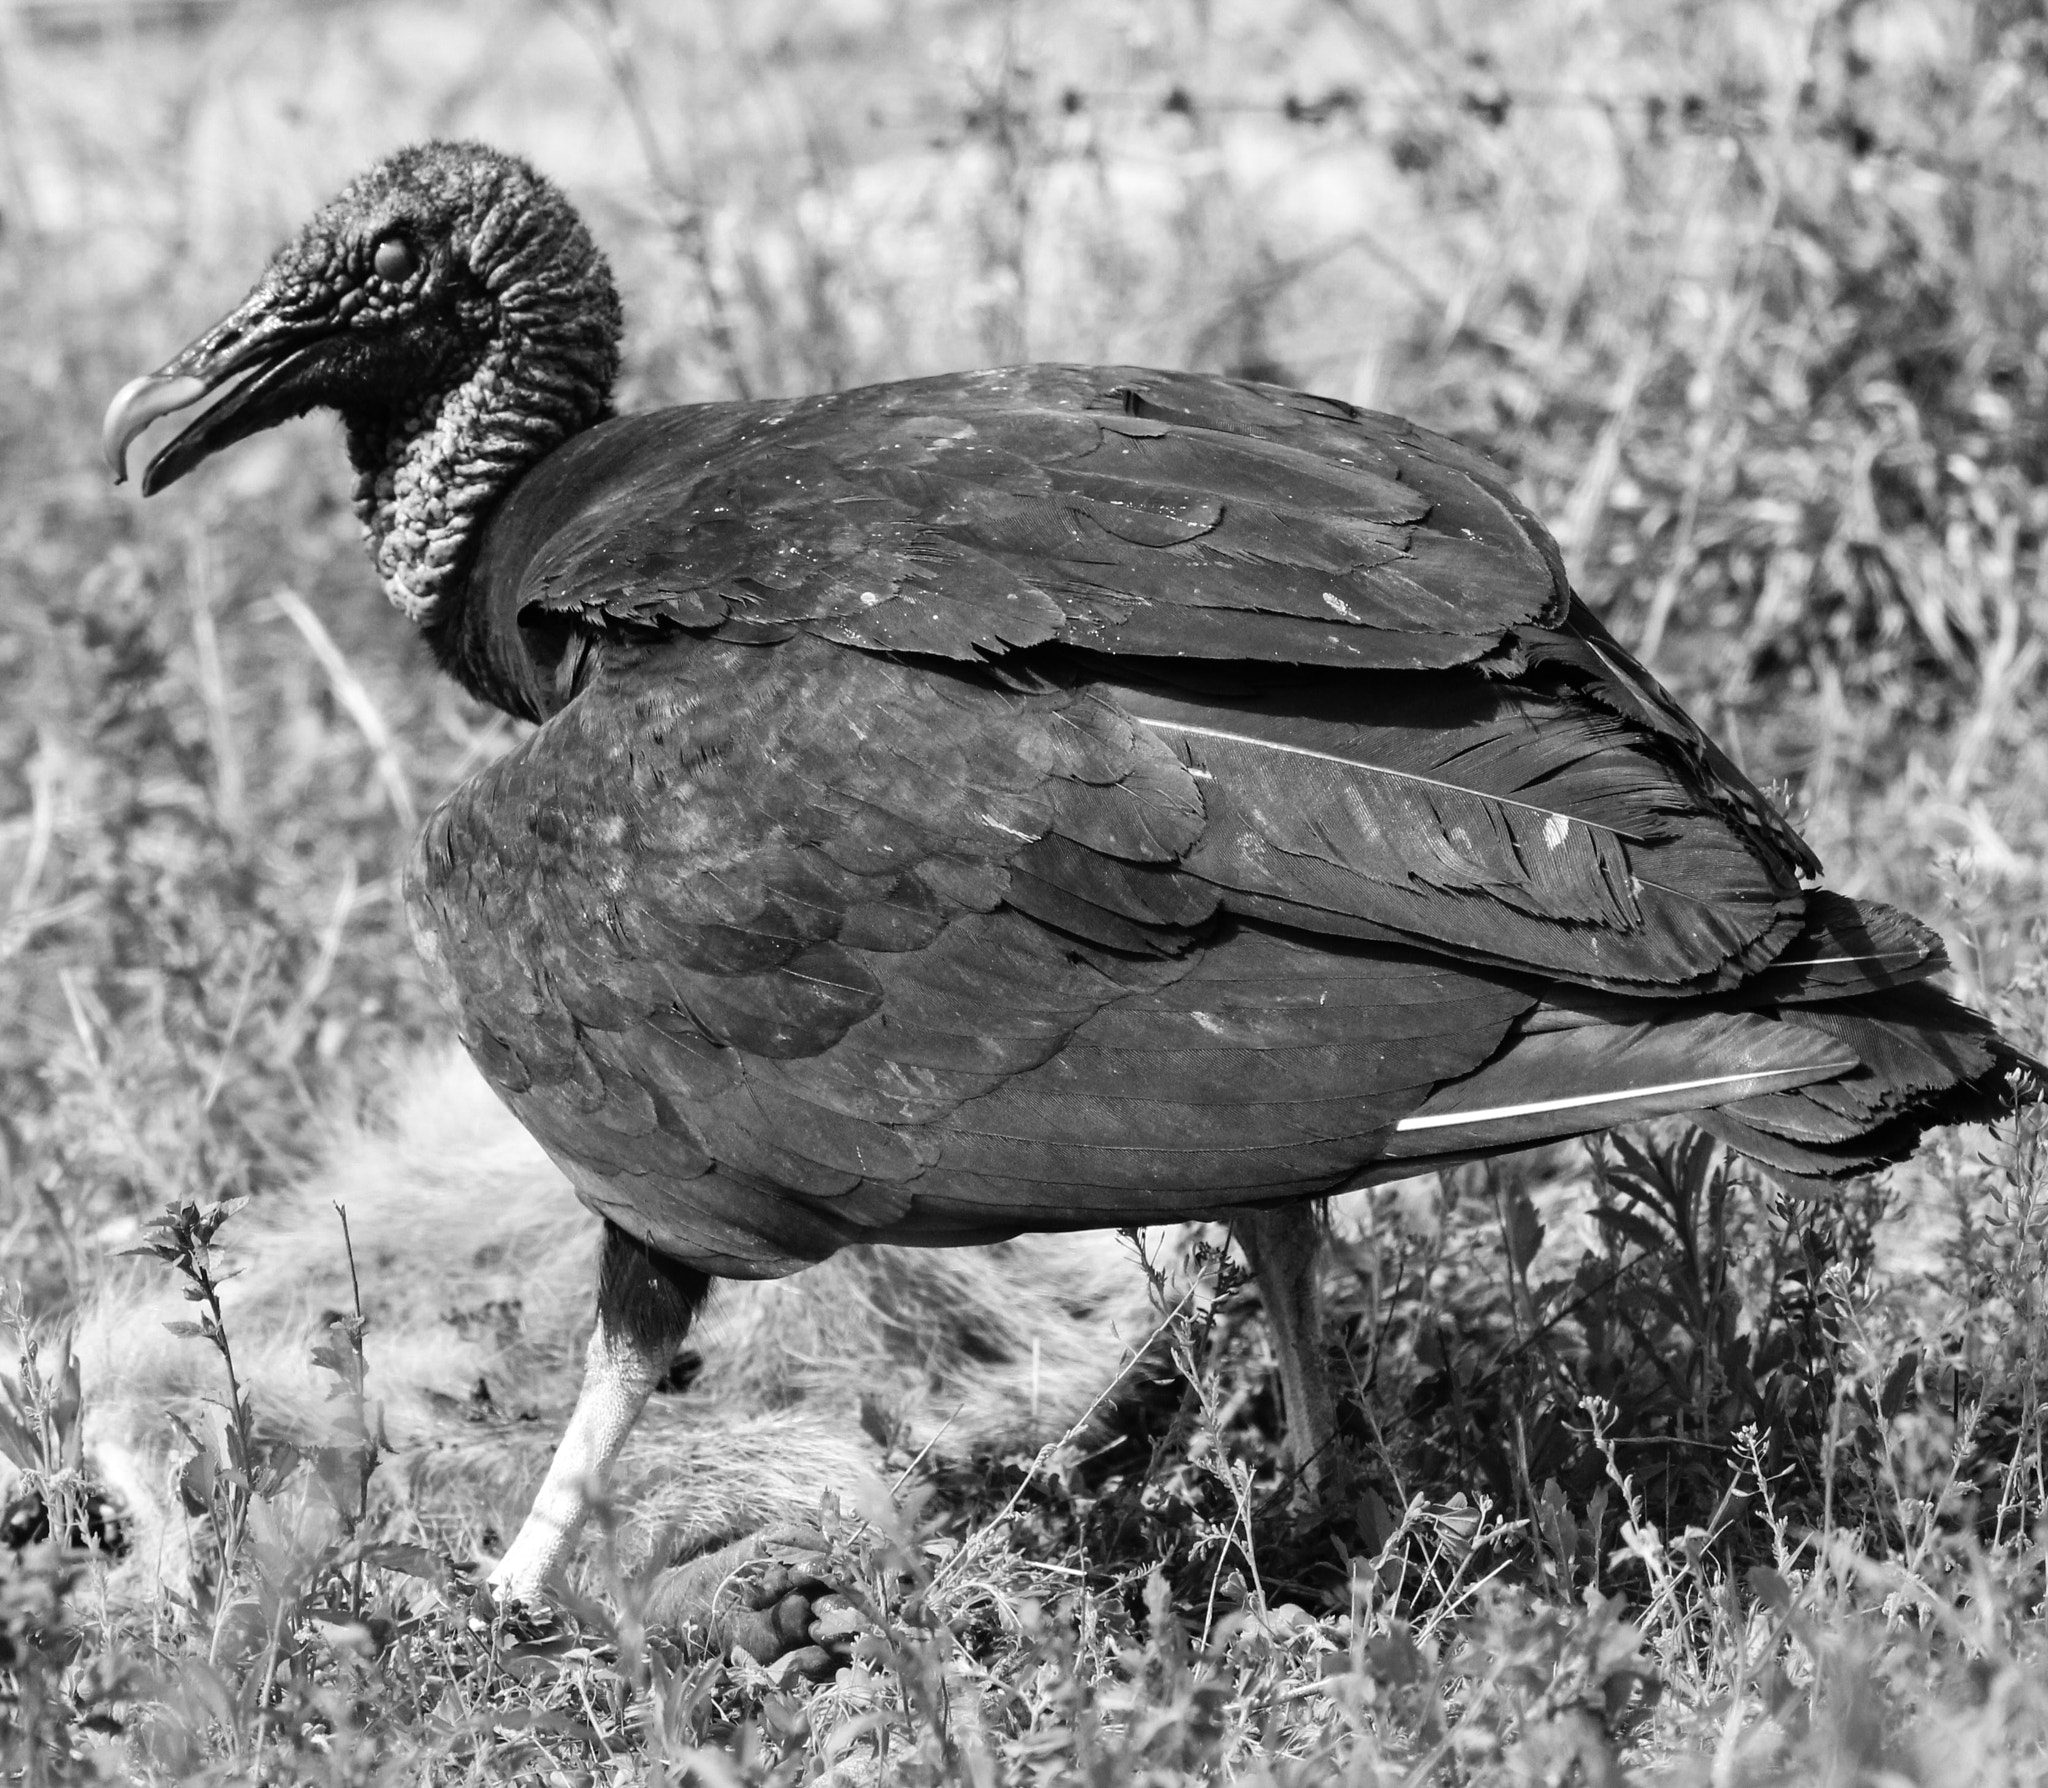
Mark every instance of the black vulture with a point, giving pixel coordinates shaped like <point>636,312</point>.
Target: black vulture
<point>1033,799</point>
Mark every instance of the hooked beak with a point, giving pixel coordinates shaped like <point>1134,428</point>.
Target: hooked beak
<point>278,358</point>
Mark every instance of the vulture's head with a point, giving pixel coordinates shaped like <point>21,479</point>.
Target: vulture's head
<point>451,306</point>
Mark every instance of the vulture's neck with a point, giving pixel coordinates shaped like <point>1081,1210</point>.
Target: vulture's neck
<point>428,477</point>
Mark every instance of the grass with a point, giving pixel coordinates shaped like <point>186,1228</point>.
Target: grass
<point>1674,1477</point>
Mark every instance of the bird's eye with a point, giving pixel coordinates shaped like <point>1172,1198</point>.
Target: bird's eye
<point>393,259</point>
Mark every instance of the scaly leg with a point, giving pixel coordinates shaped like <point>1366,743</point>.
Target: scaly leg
<point>645,1304</point>
<point>1284,1246</point>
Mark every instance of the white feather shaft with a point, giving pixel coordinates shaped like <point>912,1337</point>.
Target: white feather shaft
<point>1500,1113</point>
<point>1904,956</point>
<point>1359,763</point>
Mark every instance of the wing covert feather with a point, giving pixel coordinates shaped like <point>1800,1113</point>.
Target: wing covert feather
<point>1113,508</point>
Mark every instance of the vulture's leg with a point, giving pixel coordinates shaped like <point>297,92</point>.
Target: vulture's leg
<point>645,1305</point>
<point>1284,1246</point>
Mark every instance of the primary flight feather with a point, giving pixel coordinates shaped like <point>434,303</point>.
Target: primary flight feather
<point>1029,799</point>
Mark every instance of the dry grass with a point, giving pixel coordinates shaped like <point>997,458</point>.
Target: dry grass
<point>1709,1485</point>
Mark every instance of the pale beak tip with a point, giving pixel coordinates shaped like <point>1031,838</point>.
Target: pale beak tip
<point>136,405</point>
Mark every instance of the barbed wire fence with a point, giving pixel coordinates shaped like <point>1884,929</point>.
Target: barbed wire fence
<point>1388,117</point>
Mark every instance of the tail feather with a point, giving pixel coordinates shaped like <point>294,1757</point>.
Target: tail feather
<point>1847,947</point>
<point>1815,1160</point>
<point>1833,1061</point>
<point>1914,1046</point>
<point>1566,1082</point>
<point>1858,974</point>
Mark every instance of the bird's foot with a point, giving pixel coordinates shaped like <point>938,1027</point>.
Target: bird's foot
<point>768,1594</point>
<point>512,1606</point>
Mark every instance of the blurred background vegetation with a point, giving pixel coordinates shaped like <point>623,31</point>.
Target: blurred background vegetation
<point>1750,298</point>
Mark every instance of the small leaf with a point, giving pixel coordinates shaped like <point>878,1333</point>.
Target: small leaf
<point>1524,1231</point>
<point>397,1555</point>
<point>1770,1589</point>
<point>280,1460</point>
<point>1394,1657</point>
<point>1899,1385</point>
<point>1376,1522</point>
<point>17,1443</point>
<point>196,1484</point>
<point>1630,1227</point>
<point>875,1422</point>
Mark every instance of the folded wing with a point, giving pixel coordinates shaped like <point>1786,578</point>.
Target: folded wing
<point>1065,797</point>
